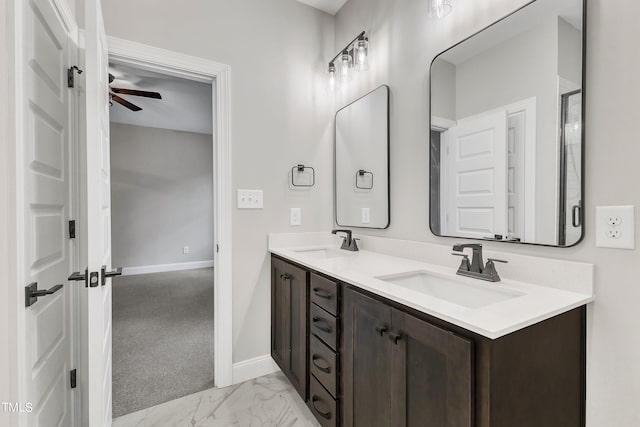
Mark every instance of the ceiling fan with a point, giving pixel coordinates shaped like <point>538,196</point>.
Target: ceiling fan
<point>133,107</point>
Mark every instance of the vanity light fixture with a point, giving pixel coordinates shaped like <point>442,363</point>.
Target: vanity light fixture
<point>439,8</point>
<point>353,56</point>
<point>332,75</point>
<point>361,53</point>
<point>346,66</point>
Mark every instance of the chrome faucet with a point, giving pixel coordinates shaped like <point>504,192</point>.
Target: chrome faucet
<point>348,242</point>
<point>477,269</point>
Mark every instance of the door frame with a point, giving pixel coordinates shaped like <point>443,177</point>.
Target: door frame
<point>219,76</point>
<point>12,335</point>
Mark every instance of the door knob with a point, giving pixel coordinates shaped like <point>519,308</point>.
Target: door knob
<point>31,293</point>
<point>104,274</point>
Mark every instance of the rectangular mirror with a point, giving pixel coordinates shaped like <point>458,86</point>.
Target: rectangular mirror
<point>362,162</point>
<point>507,137</point>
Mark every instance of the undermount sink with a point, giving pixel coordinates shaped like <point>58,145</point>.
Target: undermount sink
<point>470,295</point>
<point>324,253</point>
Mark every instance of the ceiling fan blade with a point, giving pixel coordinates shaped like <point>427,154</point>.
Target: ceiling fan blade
<point>125,103</point>
<point>134,92</point>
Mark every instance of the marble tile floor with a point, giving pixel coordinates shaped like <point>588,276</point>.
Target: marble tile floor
<point>265,401</point>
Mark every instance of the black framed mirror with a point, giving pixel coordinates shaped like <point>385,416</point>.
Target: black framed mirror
<point>507,129</point>
<point>362,162</point>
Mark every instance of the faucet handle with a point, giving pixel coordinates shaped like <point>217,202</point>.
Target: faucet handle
<point>490,269</point>
<point>464,264</point>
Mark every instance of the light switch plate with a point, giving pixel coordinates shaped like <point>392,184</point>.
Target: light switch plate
<point>365,216</point>
<point>250,199</point>
<point>615,227</point>
<point>295,217</point>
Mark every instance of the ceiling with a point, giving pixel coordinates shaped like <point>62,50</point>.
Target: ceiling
<point>330,6</point>
<point>186,105</point>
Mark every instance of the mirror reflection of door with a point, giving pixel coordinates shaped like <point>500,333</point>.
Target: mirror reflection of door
<point>485,174</point>
<point>519,180</point>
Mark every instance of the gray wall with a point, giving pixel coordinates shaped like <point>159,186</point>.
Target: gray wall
<point>403,43</point>
<point>281,116</point>
<point>161,196</point>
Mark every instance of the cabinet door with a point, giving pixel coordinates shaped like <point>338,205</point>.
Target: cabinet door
<point>431,375</point>
<point>366,362</point>
<point>289,303</point>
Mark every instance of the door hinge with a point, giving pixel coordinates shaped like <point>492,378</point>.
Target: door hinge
<point>72,378</point>
<point>71,78</point>
<point>72,229</point>
<point>217,248</point>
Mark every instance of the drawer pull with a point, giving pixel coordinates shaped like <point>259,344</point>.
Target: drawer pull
<point>322,325</point>
<point>381,330</point>
<point>395,337</point>
<point>326,369</point>
<point>326,415</point>
<point>325,295</point>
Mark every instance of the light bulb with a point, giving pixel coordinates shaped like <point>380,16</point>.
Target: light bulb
<point>332,75</point>
<point>439,8</point>
<point>345,69</point>
<point>361,52</point>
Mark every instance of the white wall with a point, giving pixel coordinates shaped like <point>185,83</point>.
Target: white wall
<point>281,116</point>
<point>403,43</point>
<point>161,196</point>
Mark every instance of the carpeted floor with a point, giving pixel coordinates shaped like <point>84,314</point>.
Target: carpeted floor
<point>162,337</point>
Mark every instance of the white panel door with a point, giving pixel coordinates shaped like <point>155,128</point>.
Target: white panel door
<point>97,406</point>
<point>476,175</point>
<point>47,247</point>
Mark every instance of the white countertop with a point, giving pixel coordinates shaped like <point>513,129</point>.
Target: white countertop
<point>360,269</point>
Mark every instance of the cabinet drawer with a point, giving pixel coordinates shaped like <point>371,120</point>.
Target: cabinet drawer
<point>324,292</point>
<point>323,325</point>
<point>322,405</point>
<point>323,364</point>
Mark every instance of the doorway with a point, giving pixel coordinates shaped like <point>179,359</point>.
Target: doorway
<point>162,236</point>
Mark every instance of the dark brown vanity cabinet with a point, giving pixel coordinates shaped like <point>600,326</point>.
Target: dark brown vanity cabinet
<point>401,371</point>
<point>359,359</point>
<point>289,317</point>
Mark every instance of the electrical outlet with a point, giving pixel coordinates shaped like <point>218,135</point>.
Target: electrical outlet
<point>185,250</point>
<point>614,233</point>
<point>615,227</point>
<point>295,217</point>
<point>614,220</point>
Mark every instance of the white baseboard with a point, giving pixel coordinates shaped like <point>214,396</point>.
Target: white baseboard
<point>161,268</point>
<point>253,368</point>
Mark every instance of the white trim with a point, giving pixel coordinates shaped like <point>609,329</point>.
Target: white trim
<point>219,75</point>
<point>163,268</point>
<point>254,368</point>
<point>441,124</point>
